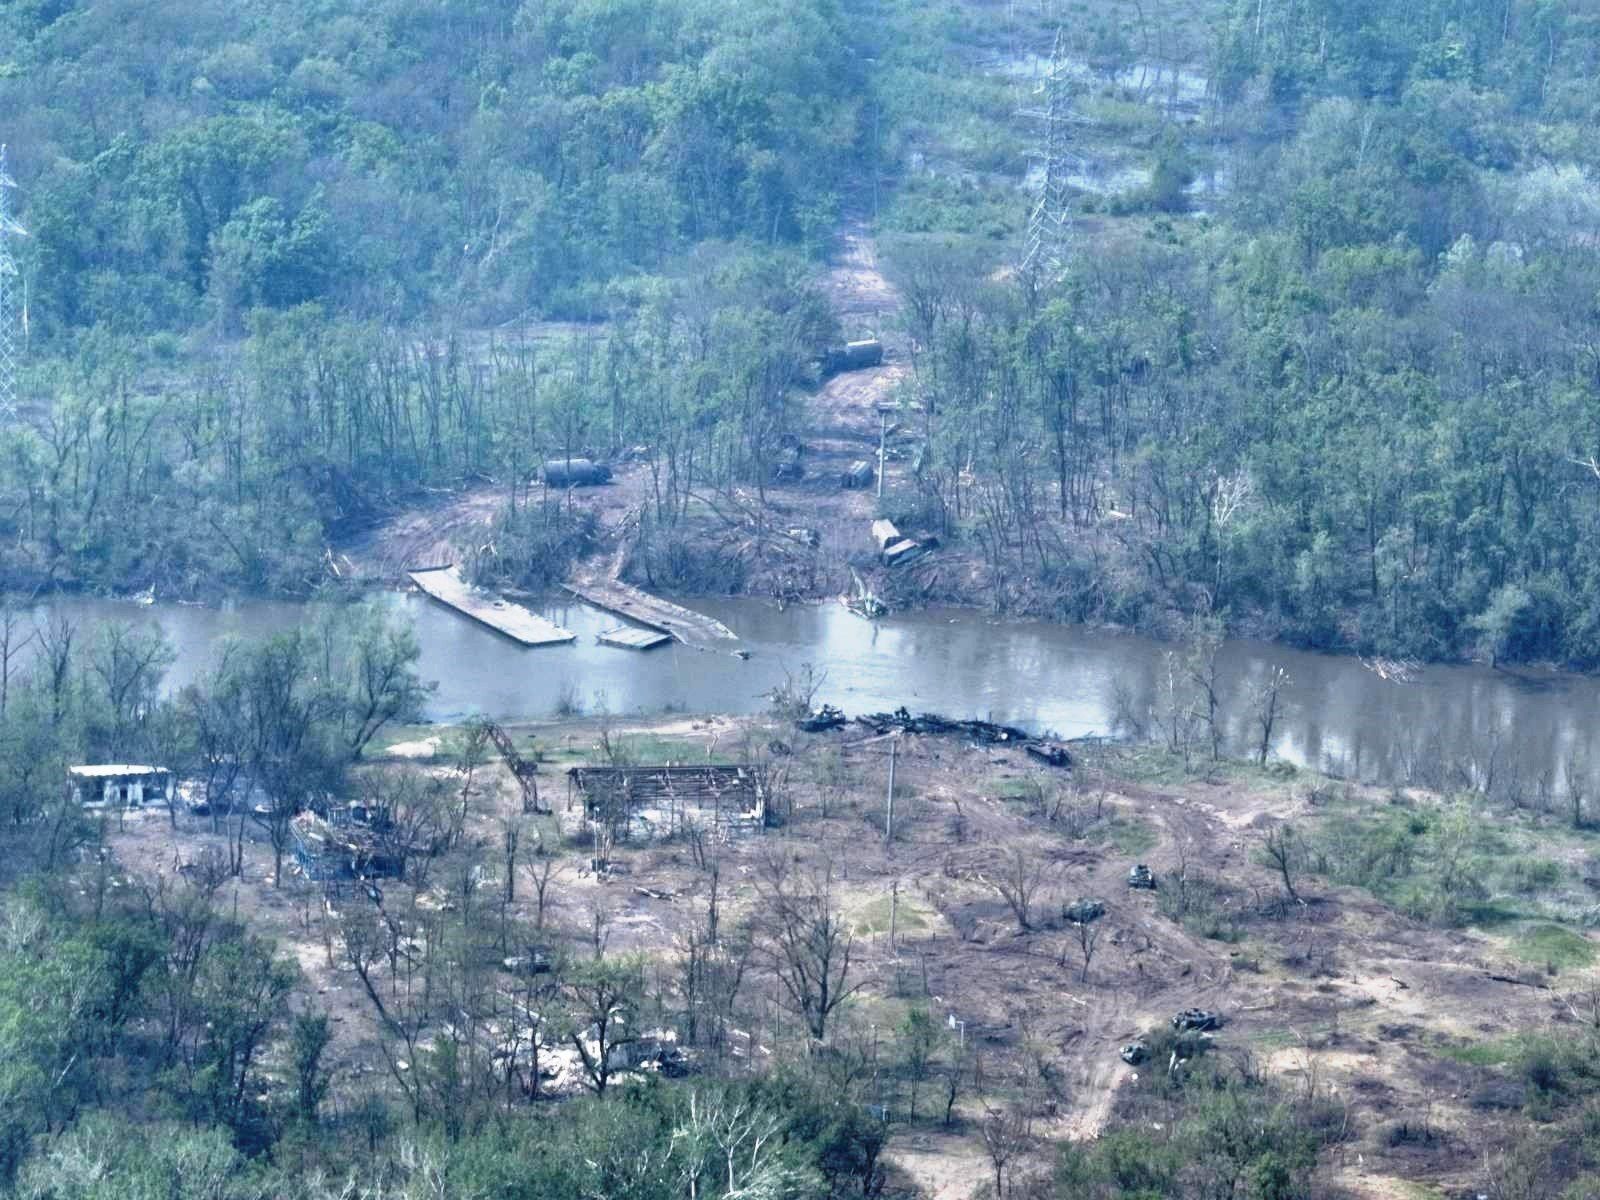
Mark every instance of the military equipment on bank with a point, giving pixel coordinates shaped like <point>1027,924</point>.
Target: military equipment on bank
<point>852,356</point>
<point>1083,910</point>
<point>1135,1053</point>
<point>1139,876</point>
<point>824,719</point>
<point>859,475</point>
<point>1195,1020</point>
<point>1052,754</point>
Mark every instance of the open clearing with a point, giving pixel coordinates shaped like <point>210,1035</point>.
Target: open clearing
<point>1337,993</point>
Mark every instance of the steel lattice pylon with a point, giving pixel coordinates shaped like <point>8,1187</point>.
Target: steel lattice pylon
<point>1049,247</point>
<point>11,311</point>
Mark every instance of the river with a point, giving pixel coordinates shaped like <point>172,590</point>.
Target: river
<point>1499,727</point>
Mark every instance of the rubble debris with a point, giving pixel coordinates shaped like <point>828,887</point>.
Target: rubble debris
<point>824,719</point>
<point>1196,1020</point>
<point>862,601</point>
<point>1052,754</point>
<point>731,800</point>
<point>806,537</point>
<point>1140,876</point>
<point>985,733</point>
<point>1134,1053</point>
<point>346,850</point>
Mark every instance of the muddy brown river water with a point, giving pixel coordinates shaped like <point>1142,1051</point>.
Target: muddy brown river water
<point>1504,728</point>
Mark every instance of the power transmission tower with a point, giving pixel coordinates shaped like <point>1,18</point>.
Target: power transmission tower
<point>1049,248</point>
<point>11,310</point>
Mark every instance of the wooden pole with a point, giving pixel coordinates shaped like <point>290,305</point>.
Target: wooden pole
<point>894,910</point>
<point>888,819</point>
<point>883,425</point>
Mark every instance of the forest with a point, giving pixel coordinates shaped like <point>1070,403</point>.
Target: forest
<point>1322,362</point>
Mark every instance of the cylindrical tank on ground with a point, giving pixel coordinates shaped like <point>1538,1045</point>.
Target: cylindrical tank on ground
<point>575,472</point>
<point>853,356</point>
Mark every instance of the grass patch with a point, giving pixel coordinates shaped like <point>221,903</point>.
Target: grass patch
<point>1132,836</point>
<point>873,917</point>
<point>1492,1052</point>
<point>655,748</point>
<point>1555,945</point>
<point>1419,1191</point>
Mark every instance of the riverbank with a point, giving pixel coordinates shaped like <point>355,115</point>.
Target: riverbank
<point>1517,736</point>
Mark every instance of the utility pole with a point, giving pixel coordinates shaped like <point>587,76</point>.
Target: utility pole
<point>11,312</point>
<point>1049,247</point>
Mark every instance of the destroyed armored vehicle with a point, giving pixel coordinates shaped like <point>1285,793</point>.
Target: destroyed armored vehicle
<point>1135,1053</point>
<point>535,962</point>
<point>1139,876</point>
<point>1195,1020</point>
<point>826,718</point>
<point>1083,910</point>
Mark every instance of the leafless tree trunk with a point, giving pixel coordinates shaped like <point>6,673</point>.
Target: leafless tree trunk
<point>1088,933</point>
<point>1018,882</point>
<point>1268,707</point>
<point>542,876</point>
<point>1005,1137</point>
<point>806,942</point>
<point>1280,847</point>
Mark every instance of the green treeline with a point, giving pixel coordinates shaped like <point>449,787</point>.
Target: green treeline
<point>1351,403</point>
<point>1354,404</point>
<point>189,162</point>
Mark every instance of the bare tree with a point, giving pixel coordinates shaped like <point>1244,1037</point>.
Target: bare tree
<point>1005,1137</point>
<point>1268,706</point>
<point>1018,882</point>
<point>951,1078</point>
<point>12,643</point>
<point>542,872</point>
<point>1575,778</point>
<point>510,838</point>
<point>1088,935</point>
<point>805,942</point>
<point>1280,849</point>
<point>1200,663</point>
<point>602,999</point>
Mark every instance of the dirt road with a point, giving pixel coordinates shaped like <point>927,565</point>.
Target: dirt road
<point>840,426</point>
